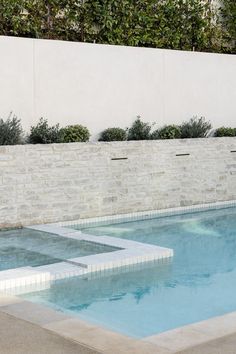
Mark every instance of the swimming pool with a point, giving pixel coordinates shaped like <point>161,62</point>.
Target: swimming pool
<point>25,247</point>
<point>198,283</point>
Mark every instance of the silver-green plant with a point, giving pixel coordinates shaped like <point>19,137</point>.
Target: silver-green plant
<point>11,132</point>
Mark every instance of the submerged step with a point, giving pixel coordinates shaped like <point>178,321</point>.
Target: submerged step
<point>127,252</point>
<point>122,253</point>
<point>24,277</point>
<point>123,258</point>
<point>13,278</point>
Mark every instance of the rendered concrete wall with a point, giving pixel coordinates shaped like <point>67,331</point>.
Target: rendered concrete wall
<point>49,183</point>
<point>102,86</point>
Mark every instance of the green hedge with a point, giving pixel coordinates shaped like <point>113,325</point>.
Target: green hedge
<point>42,133</point>
<point>113,134</point>
<point>224,131</point>
<point>75,133</point>
<point>167,132</point>
<point>139,130</point>
<point>195,128</point>
<point>11,132</point>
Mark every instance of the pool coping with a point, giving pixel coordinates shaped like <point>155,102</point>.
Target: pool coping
<point>107,341</point>
<point>72,328</point>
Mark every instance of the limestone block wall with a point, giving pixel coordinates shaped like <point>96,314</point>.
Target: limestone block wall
<point>58,182</point>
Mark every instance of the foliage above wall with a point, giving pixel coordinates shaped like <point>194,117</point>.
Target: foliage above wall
<point>75,133</point>
<point>228,15</point>
<point>167,132</point>
<point>11,132</point>
<point>113,134</point>
<point>224,131</point>
<point>42,133</point>
<point>139,130</point>
<point>175,24</point>
<point>195,128</point>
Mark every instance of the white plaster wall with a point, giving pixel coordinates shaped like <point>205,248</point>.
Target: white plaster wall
<point>17,79</point>
<point>102,86</point>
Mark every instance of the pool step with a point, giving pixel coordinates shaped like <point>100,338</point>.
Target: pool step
<point>21,278</point>
<point>13,278</point>
<point>122,258</point>
<point>127,253</point>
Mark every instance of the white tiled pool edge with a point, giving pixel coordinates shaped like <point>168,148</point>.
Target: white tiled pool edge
<point>142,215</point>
<point>129,253</point>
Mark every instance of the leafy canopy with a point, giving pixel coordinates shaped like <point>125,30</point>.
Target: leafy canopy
<point>175,24</point>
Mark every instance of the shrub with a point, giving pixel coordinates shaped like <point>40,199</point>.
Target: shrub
<point>42,133</point>
<point>195,128</point>
<point>11,132</point>
<point>75,133</point>
<point>139,130</point>
<point>224,131</point>
<point>167,132</point>
<point>154,135</point>
<point>113,134</point>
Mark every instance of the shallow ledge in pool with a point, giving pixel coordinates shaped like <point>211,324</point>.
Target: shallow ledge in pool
<point>126,253</point>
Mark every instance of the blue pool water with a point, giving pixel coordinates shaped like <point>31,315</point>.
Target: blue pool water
<point>198,283</point>
<point>25,247</point>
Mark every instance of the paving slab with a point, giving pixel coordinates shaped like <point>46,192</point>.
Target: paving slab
<point>34,313</point>
<point>179,338</point>
<point>21,337</point>
<point>6,300</point>
<point>104,340</point>
<point>224,345</point>
<point>74,336</point>
<point>219,326</point>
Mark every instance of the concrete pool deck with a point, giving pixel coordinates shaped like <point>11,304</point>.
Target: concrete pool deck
<point>66,327</point>
<point>29,328</point>
<point>27,338</point>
